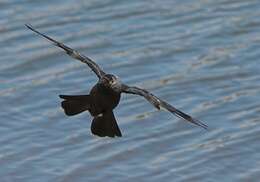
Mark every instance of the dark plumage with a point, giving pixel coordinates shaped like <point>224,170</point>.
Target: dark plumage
<point>105,96</point>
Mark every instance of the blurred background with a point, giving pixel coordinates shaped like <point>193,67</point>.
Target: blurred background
<point>201,56</point>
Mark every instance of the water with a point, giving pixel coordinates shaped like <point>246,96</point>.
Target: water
<point>201,56</point>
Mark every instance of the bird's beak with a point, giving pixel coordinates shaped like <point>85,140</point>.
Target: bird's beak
<point>114,81</point>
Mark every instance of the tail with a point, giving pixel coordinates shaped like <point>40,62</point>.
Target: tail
<point>105,125</point>
<point>75,104</point>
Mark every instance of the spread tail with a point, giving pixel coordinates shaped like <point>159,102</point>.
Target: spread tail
<point>75,104</point>
<point>105,125</point>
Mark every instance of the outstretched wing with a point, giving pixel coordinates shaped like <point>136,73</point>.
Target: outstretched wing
<point>73,53</point>
<point>156,102</point>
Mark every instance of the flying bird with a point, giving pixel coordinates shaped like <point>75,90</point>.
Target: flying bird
<point>105,96</point>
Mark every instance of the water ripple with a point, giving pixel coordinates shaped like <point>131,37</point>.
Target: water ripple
<point>201,56</point>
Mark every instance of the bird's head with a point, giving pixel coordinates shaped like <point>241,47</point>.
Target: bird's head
<point>109,80</point>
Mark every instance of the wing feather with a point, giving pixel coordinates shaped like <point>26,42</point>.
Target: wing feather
<point>157,102</point>
<point>73,53</point>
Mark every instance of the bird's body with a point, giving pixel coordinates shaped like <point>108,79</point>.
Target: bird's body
<point>105,96</point>
<point>103,99</point>
<point>100,103</point>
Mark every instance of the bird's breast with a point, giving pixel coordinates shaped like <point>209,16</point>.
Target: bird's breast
<point>103,99</point>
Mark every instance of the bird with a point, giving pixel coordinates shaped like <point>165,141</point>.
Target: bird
<point>105,95</point>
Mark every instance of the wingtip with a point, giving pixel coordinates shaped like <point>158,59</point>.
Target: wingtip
<point>205,127</point>
<point>199,123</point>
<point>28,25</point>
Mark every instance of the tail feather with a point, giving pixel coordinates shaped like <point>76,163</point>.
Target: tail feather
<point>75,104</point>
<point>105,125</point>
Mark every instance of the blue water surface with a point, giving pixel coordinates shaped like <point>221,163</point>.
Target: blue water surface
<point>201,56</point>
